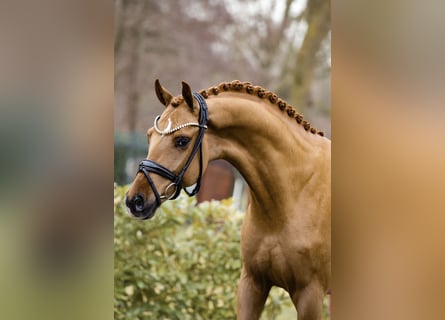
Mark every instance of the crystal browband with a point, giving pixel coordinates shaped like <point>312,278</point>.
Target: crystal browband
<point>168,129</point>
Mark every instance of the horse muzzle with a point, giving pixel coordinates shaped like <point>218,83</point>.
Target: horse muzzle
<point>139,208</point>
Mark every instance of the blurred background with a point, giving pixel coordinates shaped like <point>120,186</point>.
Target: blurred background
<point>282,45</point>
<point>56,159</point>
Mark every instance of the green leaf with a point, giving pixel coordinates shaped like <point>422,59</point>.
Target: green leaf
<point>182,264</point>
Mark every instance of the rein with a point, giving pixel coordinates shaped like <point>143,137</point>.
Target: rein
<point>147,166</point>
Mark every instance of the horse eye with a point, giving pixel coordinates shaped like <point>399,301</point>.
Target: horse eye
<point>182,142</point>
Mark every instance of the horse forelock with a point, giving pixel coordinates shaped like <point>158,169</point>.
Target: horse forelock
<point>176,101</point>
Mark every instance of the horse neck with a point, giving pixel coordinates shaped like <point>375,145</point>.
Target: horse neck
<point>274,154</point>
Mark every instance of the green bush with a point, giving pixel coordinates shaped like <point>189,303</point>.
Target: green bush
<point>182,264</point>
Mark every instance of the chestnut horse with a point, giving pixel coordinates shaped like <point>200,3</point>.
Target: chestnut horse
<point>286,232</point>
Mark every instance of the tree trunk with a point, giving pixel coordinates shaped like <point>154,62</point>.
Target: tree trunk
<point>318,19</point>
<point>135,32</point>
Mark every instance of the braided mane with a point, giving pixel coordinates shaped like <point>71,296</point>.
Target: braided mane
<point>247,87</point>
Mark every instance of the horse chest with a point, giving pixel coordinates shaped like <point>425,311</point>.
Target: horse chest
<point>279,258</point>
<point>268,259</point>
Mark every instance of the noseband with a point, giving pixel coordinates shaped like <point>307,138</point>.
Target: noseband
<point>147,166</point>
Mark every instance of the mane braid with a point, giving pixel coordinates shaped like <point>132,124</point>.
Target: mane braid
<point>247,87</point>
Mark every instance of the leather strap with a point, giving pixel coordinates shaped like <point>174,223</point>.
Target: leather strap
<point>149,166</point>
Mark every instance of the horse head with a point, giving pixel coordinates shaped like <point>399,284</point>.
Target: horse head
<point>177,153</point>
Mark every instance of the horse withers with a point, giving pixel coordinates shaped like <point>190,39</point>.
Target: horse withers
<point>286,232</point>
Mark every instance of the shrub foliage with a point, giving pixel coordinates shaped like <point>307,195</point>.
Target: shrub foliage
<point>182,264</point>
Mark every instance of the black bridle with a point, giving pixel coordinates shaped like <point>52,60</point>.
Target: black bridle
<point>147,166</point>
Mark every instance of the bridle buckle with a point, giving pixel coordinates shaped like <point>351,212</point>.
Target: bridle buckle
<point>164,195</point>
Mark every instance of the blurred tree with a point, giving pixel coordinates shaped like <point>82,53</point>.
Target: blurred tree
<point>172,40</point>
<point>276,44</point>
<point>287,45</point>
<point>261,37</point>
<point>317,16</point>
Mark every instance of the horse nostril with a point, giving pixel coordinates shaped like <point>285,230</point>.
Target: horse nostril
<point>138,202</point>
<point>135,204</point>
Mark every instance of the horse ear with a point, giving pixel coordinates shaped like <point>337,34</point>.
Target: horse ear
<point>163,95</point>
<point>187,95</point>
